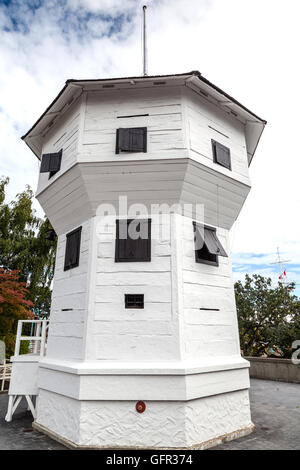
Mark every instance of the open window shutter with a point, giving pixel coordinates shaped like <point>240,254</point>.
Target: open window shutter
<point>72,249</point>
<point>221,154</point>
<point>213,244</point>
<point>198,236</point>
<point>45,165</point>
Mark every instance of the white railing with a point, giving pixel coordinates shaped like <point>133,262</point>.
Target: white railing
<point>5,374</point>
<point>37,339</point>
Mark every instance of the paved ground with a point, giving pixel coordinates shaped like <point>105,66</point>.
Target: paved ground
<point>18,434</point>
<point>275,408</point>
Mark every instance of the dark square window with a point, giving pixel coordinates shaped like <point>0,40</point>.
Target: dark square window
<point>221,154</point>
<point>134,301</point>
<point>133,240</point>
<point>207,245</point>
<point>132,139</point>
<point>72,249</point>
<point>51,163</point>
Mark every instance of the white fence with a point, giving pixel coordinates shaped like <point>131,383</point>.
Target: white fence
<point>37,336</point>
<point>5,374</point>
<point>24,372</point>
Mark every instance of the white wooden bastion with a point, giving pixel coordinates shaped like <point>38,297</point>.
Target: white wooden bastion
<point>143,346</point>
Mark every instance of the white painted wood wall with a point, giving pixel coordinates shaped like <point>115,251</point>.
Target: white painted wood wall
<point>69,306</point>
<point>181,124</point>
<point>101,357</point>
<point>170,327</point>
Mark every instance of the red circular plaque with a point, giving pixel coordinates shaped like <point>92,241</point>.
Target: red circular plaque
<point>140,407</point>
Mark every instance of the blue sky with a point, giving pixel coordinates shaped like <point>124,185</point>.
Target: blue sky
<point>249,48</point>
<point>69,17</point>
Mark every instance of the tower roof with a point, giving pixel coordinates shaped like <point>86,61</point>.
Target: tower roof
<point>73,88</point>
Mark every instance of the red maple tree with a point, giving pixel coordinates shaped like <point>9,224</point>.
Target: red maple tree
<point>13,305</point>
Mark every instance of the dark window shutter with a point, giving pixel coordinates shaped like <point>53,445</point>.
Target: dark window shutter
<point>45,165</point>
<point>213,244</point>
<point>221,154</point>
<point>72,253</point>
<point>131,140</point>
<point>137,136</point>
<point>122,239</point>
<point>207,245</point>
<point>51,162</point>
<point>123,140</point>
<point>132,248</point>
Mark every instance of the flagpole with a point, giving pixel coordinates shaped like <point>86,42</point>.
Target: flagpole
<point>145,58</point>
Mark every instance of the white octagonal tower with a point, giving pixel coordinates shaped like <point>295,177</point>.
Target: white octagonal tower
<point>143,347</point>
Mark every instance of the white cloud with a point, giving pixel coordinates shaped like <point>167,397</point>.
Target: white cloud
<point>248,48</point>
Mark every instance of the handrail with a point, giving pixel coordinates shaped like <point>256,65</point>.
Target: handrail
<point>40,334</point>
<point>5,374</point>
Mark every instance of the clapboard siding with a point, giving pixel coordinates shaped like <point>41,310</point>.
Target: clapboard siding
<point>127,334</point>
<point>206,333</point>
<point>136,347</point>
<point>105,113</point>
<point>194,317</point>
<point>70,291</point>
<point>64,135</point>
<point>85,187</point>
<point>206,121</point>
<point>178,168</point>
<point>115,294</point>
<point>159,264</point>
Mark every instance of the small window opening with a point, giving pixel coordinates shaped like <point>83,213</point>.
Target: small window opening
<point>207,245</point>
<point>221,154</point>
<point>131,140</point>
<point>134,301</point>
<point>72,252</point>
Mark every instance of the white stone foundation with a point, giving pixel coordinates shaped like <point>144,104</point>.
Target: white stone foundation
<point>163,424</point>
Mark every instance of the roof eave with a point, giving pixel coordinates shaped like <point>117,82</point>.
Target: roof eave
<point>71,83</point>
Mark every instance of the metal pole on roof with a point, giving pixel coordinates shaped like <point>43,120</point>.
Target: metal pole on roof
<point>145,61</point>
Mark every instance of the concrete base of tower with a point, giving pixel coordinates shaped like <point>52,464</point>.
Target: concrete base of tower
<point>200,423</point>
<point>86,406</point>
<point>202,446</point>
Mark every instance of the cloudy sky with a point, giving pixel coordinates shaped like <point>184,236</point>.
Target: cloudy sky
<point>249,48</point>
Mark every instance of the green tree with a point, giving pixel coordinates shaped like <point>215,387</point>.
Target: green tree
<point>269,317</point>
<point>24,246</point>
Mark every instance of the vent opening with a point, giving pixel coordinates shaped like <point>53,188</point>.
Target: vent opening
<point>134,301</point>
